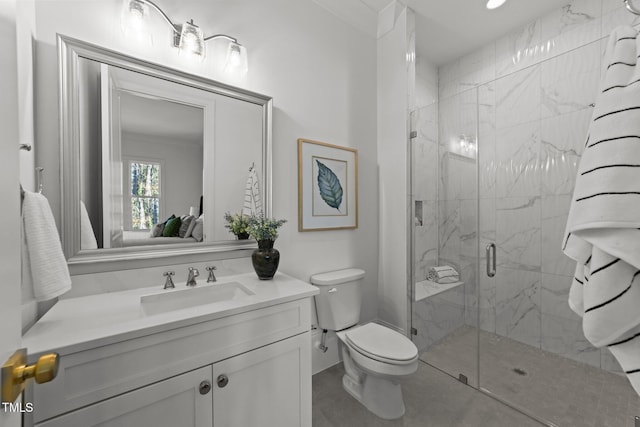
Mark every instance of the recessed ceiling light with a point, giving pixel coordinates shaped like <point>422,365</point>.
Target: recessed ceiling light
<point>494,4</point>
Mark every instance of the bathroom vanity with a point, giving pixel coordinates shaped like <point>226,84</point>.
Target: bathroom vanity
<point>233,353</point>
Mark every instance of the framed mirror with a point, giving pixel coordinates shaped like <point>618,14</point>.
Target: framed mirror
<point>152,158</point>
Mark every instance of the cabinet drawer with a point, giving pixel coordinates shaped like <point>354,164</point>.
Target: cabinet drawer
<point>89,376</point>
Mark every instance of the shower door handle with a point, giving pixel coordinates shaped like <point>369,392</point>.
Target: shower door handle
<point>491,259</point>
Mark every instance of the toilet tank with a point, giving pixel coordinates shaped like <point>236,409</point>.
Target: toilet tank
<point>340,297</point>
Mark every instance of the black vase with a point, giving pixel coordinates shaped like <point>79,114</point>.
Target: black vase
<point>242,236</point>
<point>265,259</point>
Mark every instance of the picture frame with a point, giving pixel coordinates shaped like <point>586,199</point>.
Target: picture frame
<point>327,186</point>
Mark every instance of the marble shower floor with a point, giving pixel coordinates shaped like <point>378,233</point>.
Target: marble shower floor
<point>562,391</point>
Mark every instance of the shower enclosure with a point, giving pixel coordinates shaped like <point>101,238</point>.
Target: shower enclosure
<point>492,176</point>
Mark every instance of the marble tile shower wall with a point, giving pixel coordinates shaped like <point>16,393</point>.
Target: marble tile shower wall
<point>435,317</point>
<point>445,215</point>
<point>533,87</point>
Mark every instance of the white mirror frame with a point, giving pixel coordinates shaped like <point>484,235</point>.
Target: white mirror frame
<point>70,51</point>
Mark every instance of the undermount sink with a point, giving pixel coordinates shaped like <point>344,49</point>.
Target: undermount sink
<point>188,297</point>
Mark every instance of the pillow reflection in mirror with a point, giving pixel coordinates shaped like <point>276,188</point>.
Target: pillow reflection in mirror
<point>198,230</point>
<point>186,225</point>
<point>157,230</point>
<point>172,227</point>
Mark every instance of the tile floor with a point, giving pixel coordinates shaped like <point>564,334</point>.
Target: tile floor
<point>565,392</point>
<point>432,399</point>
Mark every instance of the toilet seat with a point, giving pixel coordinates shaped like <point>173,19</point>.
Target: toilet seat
<point>382,344</point>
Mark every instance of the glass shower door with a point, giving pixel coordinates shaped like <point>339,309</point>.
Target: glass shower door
<point>493,167</point>
<point>532,350</point>
<point>445,212</point>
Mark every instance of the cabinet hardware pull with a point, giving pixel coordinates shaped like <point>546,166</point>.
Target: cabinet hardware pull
<point>205,387</point>
<point>222,380</point>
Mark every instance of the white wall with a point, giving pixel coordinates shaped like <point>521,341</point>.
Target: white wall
<point>25,29</point>
<point>392,89</point>
<point>25,26</point>
<point>9,194</point>
<point>320,72</point>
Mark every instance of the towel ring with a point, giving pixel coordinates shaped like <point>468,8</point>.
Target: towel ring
<point>631,8</point>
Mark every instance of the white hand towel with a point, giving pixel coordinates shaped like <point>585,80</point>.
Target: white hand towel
<point>443,274</point>
<point>252,200</point>
<point>603,228</point>
<point>47,265</point>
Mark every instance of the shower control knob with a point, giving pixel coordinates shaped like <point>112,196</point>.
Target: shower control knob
<point>222,380</point>
<point>205,387</point>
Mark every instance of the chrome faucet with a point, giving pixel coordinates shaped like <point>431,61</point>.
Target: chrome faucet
<point>193,273</point>
<point>169,282</point>
<point>212,276</point>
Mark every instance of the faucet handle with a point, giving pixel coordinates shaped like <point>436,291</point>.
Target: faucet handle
<point>169,283</point>
<point>212,276</point>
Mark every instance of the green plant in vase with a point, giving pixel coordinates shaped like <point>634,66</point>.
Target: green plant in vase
<point>238,224</point>
<point>265,259</point>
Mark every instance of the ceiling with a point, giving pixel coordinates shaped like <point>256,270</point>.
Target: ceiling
<point>446,29</point>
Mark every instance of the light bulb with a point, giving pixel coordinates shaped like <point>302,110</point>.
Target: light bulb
<point>494,4</point>
<point>132,17</point>
<point>234,55</point>
<point>191,39</point>
<point>236,61</point>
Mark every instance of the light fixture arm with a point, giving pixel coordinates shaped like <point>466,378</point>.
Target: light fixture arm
<point>223,36</point>
<point>177,28</point>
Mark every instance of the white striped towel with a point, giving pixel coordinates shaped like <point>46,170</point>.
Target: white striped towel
<point>603,228</point>
<point>443,274</point>
<point>47,266</point>
<point>252,201</point>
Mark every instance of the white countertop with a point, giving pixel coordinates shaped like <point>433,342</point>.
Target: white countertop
<point>83,323</point>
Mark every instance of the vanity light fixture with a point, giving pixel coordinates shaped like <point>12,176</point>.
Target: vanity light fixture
<point>188,37</point>
<point>494,4</point>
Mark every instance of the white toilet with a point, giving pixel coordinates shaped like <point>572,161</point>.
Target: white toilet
<point>374,356</point>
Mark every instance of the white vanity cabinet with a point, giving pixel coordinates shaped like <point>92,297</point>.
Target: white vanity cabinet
<point>173,402</point>
<point>247,369</point>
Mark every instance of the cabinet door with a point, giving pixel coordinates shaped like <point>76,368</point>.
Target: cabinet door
<point>170,403</point>
<point>269,386</point>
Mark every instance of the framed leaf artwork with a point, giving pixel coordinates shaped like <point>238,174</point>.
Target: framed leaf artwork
<point>327,186</point>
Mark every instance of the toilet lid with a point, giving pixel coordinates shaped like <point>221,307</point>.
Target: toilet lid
<point>380,342</point>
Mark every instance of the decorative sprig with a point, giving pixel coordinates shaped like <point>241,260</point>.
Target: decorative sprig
<point>264,228</point>
<point>237,223</point>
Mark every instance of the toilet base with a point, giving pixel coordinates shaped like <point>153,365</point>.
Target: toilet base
<point>379,395</point>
